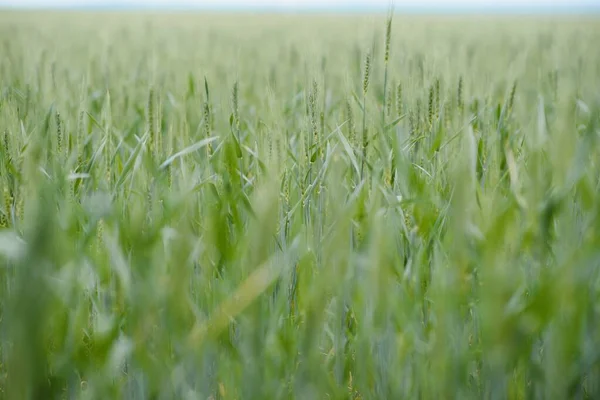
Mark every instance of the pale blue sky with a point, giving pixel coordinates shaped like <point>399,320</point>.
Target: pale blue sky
<point>565,5</point>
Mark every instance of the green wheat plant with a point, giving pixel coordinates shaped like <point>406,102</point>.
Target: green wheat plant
<point>231,206</point>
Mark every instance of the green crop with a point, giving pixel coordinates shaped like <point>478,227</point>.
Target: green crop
<point>299,206</point>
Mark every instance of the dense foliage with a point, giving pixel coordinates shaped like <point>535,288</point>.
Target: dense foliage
<point>313,206</point>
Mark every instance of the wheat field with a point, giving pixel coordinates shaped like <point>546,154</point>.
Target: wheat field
<point>317,206</point>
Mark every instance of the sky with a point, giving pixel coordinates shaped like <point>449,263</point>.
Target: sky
<point>542,5</point>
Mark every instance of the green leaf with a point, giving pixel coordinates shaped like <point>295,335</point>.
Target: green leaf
<point>131,160</point>
<point>358,101</point>
<point>190,149</point>
<point>248,205</point>
<point>394,122</point>
<point>206,89</point>
<point>349,151</point>
<point>238,148</point>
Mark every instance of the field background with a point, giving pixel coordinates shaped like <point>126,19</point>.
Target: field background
<point>230,206</point>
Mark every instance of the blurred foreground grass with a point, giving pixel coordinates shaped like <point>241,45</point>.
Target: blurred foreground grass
<point>260,206</point>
